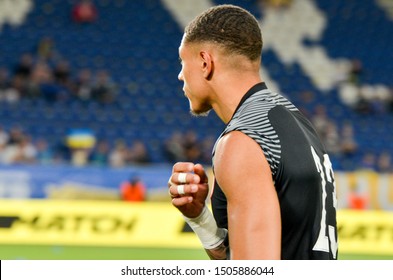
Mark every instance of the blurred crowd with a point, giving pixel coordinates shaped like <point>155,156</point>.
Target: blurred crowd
<point>18,147</point>
<point>361,97</point>
<point>341,143</point>
<point>44,74</point>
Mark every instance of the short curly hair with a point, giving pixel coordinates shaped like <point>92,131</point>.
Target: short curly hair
<point>232,27</point>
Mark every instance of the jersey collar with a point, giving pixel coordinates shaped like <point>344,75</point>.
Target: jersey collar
<point>251,91</point>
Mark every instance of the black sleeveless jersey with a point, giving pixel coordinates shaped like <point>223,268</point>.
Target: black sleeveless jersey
<point>301,170</point>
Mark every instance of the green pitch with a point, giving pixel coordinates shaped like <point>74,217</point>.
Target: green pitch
<point>40,252</point>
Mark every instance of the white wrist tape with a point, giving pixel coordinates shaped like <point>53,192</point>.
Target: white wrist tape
<point>205,227</point>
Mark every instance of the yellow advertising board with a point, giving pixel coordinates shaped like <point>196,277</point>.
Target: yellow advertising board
<point>365,232</point>
<point>95,223</point>
<point>153,224</point>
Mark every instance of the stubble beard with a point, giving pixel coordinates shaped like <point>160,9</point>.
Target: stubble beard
<point>202,110</point>
<point>200,114</point>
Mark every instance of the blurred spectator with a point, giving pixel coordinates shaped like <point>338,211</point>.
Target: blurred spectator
<point>84,11</point>
<point>11,91</point>
<point>62,153</point>
<point>18,88</point>
<point>62,72</point>
<point>368,162</point>
<point>104,88</point>
<point>41,83</point>
<point>4,78</point>
<point>363,106</point>
<point>192,148</point>
<point>363,98</point>
<point>4,82</point>
<point>2,152</point>
<point>187,147</point>
<point>15,135</point>
<point>49,89</point>
<point>357,200</point>
<point>100,154</point>
<point>118,155</point>
<point>20,151</point>
<point>7,153</point>
<point>380,99</point>
<point>19,82</point>
<point>356,72</point>
<point>26,152</point>
<point>331,138</point>
<point>173,148</point>
<point>80,156</point>
<point>133,190</point>
<point>384,163</point>
<point>206,149</point>
<point>306,98</point>
<point>138,153</point>
<point>81,142</point>
<point>350,87</point>
<point>62,78</point>
<point>349,145</point>
<point>44,152</point>
<point>46,50</point>
<point>3,136</point>
<point>321,121</point>
<point>83,85</point>
<point>24,66</point>
<point>373,100</point>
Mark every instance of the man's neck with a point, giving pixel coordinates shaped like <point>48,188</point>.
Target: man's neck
<point>229,95</point>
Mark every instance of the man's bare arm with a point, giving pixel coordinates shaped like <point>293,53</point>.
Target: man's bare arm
<point>244,175</point>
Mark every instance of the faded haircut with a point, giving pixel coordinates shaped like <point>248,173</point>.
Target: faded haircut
<point>232,27</point>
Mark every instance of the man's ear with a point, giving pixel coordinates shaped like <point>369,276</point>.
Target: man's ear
<point>207,64</point>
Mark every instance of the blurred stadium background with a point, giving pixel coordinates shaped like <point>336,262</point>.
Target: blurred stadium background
<point>89,99</point>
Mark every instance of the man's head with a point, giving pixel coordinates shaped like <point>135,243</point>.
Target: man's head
<point>223,39</point>
<point>232,27</point>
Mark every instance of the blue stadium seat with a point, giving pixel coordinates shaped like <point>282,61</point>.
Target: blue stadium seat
<point>137,42</point>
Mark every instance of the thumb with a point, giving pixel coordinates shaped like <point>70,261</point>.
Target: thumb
<point>200,171</point>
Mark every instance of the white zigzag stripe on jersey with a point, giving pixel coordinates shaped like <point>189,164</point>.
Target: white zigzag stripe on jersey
<point>252,119</point>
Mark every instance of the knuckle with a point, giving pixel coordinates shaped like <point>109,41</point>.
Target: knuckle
<point>182,166</point>
<point>176,166</point>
